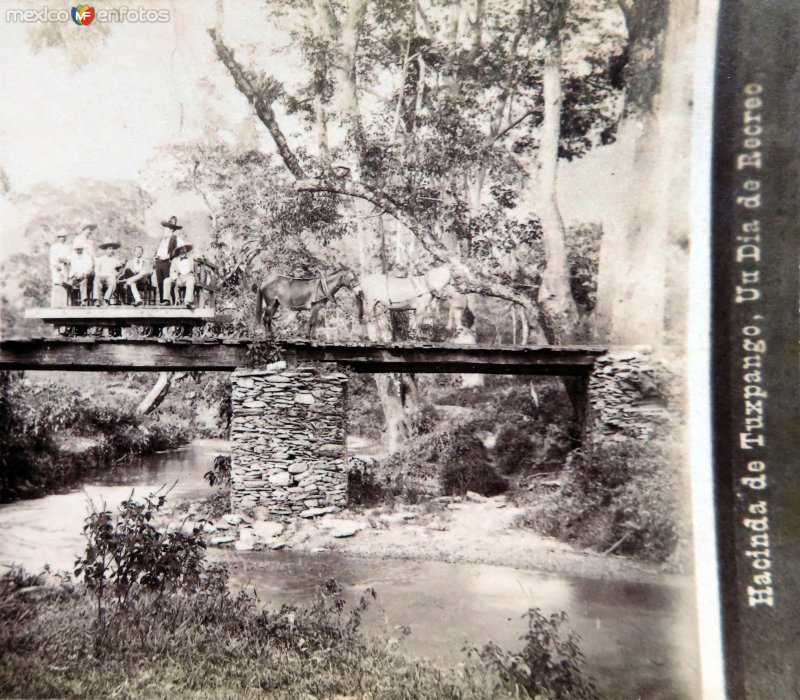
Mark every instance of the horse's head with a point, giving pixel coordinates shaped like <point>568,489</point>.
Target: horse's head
<point>349,279</point>
<point>438,277</point>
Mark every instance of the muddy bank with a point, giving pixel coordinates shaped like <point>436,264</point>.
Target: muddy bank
<point>483,530</point>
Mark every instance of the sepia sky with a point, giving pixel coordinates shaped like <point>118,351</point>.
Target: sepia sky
<point>148,85</point>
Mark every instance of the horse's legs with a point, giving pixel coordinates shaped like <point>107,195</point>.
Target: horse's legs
<point>418,316</point>
<point>269,313</point>
<point>363,307</point>
<point>312,318</point>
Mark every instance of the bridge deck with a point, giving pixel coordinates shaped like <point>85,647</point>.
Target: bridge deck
<point>123,355</point>
<point>119,315</point>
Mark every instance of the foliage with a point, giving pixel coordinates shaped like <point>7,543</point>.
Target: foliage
<point>208,644</point>
<point>466,467</point>
<point>548,667</point>
<point>263,352</point>
<point>220,473</point>
<point>53,433</point>
<point>127,553</point>
<point>364,487</point>
<point>625,500</point>
<point>583,257</point>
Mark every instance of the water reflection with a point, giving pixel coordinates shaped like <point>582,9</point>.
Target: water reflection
<point>638,638</point>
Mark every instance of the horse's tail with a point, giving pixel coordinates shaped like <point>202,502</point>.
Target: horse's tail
<point>259,306</point>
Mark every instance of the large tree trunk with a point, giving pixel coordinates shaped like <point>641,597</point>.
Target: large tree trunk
<point>645,244</point>
<point>555,296</point>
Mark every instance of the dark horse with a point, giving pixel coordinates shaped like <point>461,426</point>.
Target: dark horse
<point>295,294</point>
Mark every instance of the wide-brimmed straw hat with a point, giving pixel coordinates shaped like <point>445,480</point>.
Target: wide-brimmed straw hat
<point>109,244</point>
<point>87,227</point>
<point>172,223</point>
<point>188,247</point>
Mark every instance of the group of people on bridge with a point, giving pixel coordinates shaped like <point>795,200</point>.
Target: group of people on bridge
<point>109,276</point>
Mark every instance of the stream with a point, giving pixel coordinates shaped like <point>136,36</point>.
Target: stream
<point>638,638</point>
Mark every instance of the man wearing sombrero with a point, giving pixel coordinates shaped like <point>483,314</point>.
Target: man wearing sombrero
<point>165,251</point>
<point>106,269</point>
<point>181,275</point>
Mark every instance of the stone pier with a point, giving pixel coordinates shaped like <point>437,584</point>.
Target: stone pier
<point>288,434</point>
<point>632,396</point>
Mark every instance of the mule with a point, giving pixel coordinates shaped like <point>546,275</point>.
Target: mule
<point>399,294</point>
<point>301,294</point>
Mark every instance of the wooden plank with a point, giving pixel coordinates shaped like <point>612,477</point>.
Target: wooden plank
<point>158,355</point>
<point>135,314</point>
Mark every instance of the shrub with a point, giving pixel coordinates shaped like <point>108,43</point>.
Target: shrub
<point>220,473</point>
<point>466,467</point>
<point>624,500</point>
<point>548,665</point>
<point>363,486</point>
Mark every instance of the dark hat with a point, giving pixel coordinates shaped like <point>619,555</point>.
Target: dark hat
<point>109,244</point>
<point>60,233</point>
<point>172,223</point>
<point>180,248</point>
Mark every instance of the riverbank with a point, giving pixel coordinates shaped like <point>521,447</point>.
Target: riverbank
<point>57,434</point>
<point>474,529</point>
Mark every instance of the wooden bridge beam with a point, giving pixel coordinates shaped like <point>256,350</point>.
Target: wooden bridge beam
<point>125,355</point>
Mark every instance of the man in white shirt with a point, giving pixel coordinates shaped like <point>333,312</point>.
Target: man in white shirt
<point>137,271</point>
<point>81,268</point>
<point>84,239</point>
<point>60,254</point>
<point>106,269</point>
<point>165,251</point>
<point>181,275</point>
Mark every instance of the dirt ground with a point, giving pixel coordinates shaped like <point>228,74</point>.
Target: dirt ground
<point>484,530</point>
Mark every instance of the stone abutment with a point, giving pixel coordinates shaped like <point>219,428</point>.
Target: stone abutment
<point>288,434</point>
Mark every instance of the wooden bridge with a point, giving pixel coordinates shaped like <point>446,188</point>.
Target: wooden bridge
<point>125,355</point>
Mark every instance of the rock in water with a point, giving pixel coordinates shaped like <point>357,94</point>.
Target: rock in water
<point>216,541</point>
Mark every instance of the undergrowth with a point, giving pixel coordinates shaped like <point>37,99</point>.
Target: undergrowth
<point>151,618</point>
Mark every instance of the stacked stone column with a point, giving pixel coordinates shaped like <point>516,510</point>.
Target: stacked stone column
<point>288,434</point>
<point>632,396</point>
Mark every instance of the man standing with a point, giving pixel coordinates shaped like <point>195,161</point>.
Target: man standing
<point>84,239</point>
<point>59,269</point>
<point>164,253</point>
<point>137,270</point>
<point>181,275</point>
<point>81,267</point>
<point>106,269</point>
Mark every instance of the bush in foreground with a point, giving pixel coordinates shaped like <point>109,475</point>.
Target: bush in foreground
<point>153,620</point>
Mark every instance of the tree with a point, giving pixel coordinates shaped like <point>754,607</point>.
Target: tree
<point>634,291</point>
<point>445,152</point>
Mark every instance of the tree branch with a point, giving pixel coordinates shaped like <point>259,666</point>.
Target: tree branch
<point>513,125</point>
<point>262,108</point>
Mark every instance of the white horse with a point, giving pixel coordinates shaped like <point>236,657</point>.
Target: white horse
<point>399,294</point>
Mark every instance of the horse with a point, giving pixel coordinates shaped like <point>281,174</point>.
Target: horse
<point>301,294</point>
<point>400,293</point>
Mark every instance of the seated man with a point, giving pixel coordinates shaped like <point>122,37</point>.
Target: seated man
<point>81,268</point>
<point>60,254</point>
<point>106,269</point>
<point>181,274</point>
<point>137,273</point>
